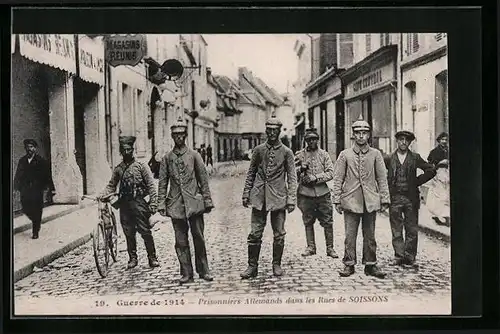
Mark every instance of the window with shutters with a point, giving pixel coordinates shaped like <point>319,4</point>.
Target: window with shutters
<point>439,36</point>
<point>368,40</point>
<point>385,39</point>
<point>412,43</point>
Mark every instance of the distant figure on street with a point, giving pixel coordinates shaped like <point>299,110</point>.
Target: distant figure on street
<point>315,168</point>
<point>284,138</point>
<point>136,182</point>
<point>403,183</point>
<point>203,153</point>
<point>270,186</point>
<point>188,200</point>
<point>438,196</point>
<point>210,155</point>
<point>32,177</point>
<point>359,190</point>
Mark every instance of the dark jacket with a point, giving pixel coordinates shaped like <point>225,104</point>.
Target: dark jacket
<point>437,154</point>
<point>34,176</point>
<point>413,162</point>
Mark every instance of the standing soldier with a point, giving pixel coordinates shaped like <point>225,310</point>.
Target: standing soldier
<point>403,181</point>
<point>32,178</point>
<point>136,182</point>
<point>188,199</point>
<point>359,190</point>
<point>270,186</point>
<point>314,199</point>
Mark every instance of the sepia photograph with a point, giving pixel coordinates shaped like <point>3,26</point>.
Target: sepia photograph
<point>230,174</point>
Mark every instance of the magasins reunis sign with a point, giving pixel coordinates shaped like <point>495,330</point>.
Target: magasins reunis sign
<point>125,50</point>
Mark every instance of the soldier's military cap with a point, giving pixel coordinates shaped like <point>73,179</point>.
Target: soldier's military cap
<point>409,135</point>
<point>360,124</point>
<point>30,141</point>
<point>311,133</point>
<point>127,140</point>
<point>179,126</point>
<point>273,123</point>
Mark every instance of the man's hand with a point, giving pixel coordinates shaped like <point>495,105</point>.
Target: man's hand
<point>290,207</point>
<point>246,202</point>
<point>162,212</point>
<point>309,179</point>
<point>339,208</point>
<point>384,207</point>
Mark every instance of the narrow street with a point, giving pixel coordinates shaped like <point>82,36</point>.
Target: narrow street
<point>226,230</point>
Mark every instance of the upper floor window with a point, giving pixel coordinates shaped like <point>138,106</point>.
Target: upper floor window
<point>412,43</point>
<point>385,39</point>
<point>368,40</point>
<point>439,36</point>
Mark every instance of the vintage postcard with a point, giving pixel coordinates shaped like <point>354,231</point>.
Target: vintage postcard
<point>230,174</point>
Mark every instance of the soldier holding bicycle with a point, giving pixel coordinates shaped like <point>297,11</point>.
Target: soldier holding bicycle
<point>136,182</point>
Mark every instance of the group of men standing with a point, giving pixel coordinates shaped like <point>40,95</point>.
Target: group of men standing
<point>277,181</point>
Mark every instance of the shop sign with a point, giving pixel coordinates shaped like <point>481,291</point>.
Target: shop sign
<point>91,59</point>
<point>370,81</point>
<point>50,49</point>
<point>125,50</point>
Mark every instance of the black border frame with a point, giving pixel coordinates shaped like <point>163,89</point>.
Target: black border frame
<point>472,203</point>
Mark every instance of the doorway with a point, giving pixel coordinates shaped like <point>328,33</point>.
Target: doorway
<point>340,126</point>
<point>86,124</point>
<point>441,121</point>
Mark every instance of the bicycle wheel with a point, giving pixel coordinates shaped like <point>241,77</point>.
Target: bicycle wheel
<point>113,239</point>
<point>100,250</point>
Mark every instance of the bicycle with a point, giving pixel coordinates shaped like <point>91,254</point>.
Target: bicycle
<point>104,235</point>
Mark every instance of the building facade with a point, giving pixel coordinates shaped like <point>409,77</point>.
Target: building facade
<point>58,99</point>
<point>424,88</point>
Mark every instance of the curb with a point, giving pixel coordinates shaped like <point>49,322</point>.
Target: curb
<point>47,219</point>
<point>28,270</point>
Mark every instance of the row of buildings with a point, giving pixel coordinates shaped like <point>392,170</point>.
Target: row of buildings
<point>65,95</point>
<point>397,81</point>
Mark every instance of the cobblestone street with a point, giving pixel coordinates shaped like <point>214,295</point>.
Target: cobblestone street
<point>226,230</point>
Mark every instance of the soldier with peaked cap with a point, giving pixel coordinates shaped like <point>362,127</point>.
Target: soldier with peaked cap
<point>315,168</point>
<point>188,200</point>
<point>270,186</point>
<point>32,177</point>
<point>403,182</point>
<point>136,182</point>
<point>359,190</point>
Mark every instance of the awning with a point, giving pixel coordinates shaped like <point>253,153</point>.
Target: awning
<point>91,59</point>
<point>53,50</point>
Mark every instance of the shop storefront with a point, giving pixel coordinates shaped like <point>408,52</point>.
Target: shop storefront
<point>43,69</point>
<point>370,91</point>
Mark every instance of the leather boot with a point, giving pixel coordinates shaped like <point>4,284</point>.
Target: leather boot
<point>277,254</point>
<point>253,262</point>
<point>311,245</point>
<point>151,250</point>
<point>347,271</point>
<point>374,271</point>
<point>36,230</point>
<point>132,252</point>
<point>330,251</point>
<point>184,256</point>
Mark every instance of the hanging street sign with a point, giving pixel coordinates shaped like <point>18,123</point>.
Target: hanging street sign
<point>125,50</point>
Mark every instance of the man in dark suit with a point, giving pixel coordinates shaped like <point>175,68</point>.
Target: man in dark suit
<point>32,177</point>
<point>403,182</point>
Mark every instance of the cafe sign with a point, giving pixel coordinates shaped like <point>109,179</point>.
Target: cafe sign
<point>371,81</point>
<point>54,50</point>
<point>91,59</point>
<point>125,50</point>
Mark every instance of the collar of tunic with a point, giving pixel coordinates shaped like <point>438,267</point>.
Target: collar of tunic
<point>358,149</point>
<point>275,147</point>
<point>180,151</point>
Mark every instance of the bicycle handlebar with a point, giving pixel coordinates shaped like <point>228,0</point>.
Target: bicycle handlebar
<point>97,198</point>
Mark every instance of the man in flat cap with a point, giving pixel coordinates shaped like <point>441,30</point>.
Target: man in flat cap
<point>136,182</point>
<point>360,190</point>
<point>188,200</point>
<point>403,182</point>
<point>32,177</point>
<point>270,186</point>
<point>314,199</point>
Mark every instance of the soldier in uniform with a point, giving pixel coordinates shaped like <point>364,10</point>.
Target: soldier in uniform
<point>136,182</point>
<point>315,168</point>
<point>32,178</point>
<point>360,189</point>
<point>270,186</point>
<point>188,199</point>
